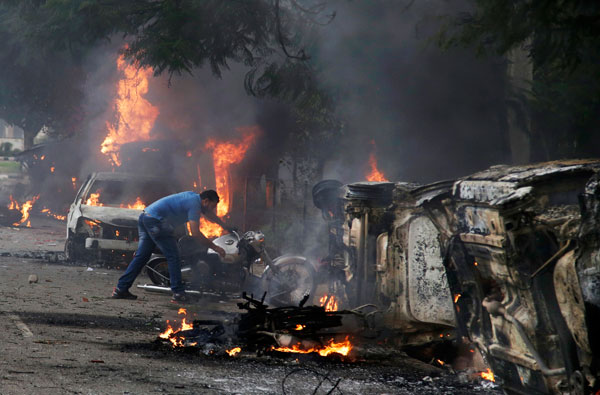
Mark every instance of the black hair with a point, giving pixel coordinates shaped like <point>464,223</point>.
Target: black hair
<point>211,195</point>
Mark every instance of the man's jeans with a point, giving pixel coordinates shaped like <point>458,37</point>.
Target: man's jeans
<point>153,233</point>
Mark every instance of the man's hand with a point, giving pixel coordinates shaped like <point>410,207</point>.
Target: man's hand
<point>219,250</point>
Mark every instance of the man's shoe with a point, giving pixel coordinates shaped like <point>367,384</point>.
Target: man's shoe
<point>180,298</point>
<point>118,294</point>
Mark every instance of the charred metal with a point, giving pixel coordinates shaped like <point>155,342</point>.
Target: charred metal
<point>507,257</point>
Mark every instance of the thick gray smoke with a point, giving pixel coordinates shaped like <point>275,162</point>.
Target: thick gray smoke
<point>433,114</point>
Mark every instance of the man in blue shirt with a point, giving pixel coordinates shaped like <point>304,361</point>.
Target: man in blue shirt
<point>156,225</point>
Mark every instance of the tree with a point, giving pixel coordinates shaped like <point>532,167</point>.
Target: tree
<point>562,40</point>
<point>178,36</point>
<point>38,89</point>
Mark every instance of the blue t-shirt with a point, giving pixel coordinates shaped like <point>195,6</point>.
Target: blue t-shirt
<point>176,209</point>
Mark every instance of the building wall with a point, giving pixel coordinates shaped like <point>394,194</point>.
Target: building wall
<point>13,135</point>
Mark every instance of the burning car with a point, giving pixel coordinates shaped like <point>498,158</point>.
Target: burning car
<point>386,251</point>
<point>102,220</point>
<point>522,265</point>
<point>509,256</point>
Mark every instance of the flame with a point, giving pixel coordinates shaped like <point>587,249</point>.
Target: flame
<point>171,334</point>
<point>136,115</point>
<point>52,168</point>
<point>93,200</point>
<point>329,302</point>
<point>300,327</point>
<point>234,351</point>
<point>51,214</point>
<point>456,297</point>
<point>25,208</point>
<point>74,181</point>
<point>210,229</point>
<point>43,157</point>
<point>374,174</point>
<point>343,348</point>
<point>138,204</point>
<point>224,155</point>
<point>442,363</point>
<point>488,375</point>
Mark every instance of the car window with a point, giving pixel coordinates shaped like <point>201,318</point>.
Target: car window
<point>126,194</point>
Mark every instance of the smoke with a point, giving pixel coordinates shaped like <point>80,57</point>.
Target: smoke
<point>433,114</point>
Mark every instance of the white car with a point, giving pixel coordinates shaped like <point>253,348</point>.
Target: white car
<point>102,220</point>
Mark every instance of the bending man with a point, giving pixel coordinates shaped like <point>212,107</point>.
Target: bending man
<point>156,225</point>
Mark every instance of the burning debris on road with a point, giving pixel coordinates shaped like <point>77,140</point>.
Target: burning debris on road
<point>264,330</point>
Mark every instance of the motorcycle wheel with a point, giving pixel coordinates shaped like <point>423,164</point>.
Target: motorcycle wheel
<point>290,283</point>
<point>158,271</point>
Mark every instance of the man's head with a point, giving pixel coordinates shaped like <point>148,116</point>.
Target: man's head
<point>209,199</point>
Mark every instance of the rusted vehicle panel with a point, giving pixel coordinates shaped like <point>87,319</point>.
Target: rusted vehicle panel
<point>392,256</point>
<point>509,256</point>
<point>522,267</point>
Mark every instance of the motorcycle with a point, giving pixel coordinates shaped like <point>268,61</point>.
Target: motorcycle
<point>246,266</point>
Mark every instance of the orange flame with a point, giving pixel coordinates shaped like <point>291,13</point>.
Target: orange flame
<point>25,208</point>
<point>136,115</point>
<point>300,327</point>
<point>456,297</point>
<point>52,168</point>
<point>74,181</point>
<point>488,375</point>
<point>224,155</point>
<point>93,200</point>
<point>171,334</point>
<point>51,214</point>
<point>210,229</point>
<point>137,205</point>
<point>332,346</point>
<point>234,351</point>
<point>375,174</point>
<point>330,303</point>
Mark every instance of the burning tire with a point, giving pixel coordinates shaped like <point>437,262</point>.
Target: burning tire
<point>158,272</point>
<point>291,282</point>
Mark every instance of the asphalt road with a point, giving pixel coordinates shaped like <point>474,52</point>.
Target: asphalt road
<point>61,334</point>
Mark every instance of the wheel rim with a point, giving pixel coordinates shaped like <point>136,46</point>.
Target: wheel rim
<point>159,273</point>
<point>293,282</point>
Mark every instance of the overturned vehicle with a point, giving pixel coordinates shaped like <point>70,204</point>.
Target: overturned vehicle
<point>102,220</point>
<point>507,256</point>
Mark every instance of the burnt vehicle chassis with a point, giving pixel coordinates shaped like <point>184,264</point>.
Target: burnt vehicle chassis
<point>513,252</point>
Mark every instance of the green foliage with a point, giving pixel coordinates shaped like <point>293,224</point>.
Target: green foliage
<point>563,30</point>
<point>37,88</point>
<point>170,36</point>
<point>173,36</point>
<point>562,38</point>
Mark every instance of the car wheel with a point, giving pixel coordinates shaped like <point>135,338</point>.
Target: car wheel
<point>74,248</point>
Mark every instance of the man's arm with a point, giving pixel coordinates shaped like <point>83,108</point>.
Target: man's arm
<point>195,228</point>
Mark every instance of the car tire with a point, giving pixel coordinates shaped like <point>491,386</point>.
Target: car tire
<point>74,248</point>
